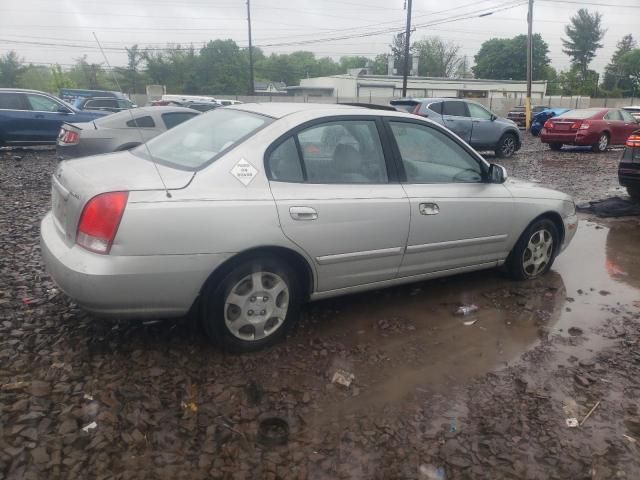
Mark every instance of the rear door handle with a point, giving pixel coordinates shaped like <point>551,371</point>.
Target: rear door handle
<point>303,213</point>
<point>429,209</point>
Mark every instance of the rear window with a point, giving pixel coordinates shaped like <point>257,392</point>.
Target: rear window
<point>404,106</point>
<point>579,114</point>
<point>176,118</point>
<point>194,144</point>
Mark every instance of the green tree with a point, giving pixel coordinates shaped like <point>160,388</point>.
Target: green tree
<point>352,62</point>
<point>630,63</point>
<point>613,72</point>
<point>35,77</point>
<point>397,50</point>
<point>437,57</point>
<point>10,69</point>
<point>60,79</point>
<point>222,69</point>
<point>584,35</point>
<point>576,82</point>
<point>130,78</point>
<point>90,75</point>
<point>506,58</point>
<point>380,64</point>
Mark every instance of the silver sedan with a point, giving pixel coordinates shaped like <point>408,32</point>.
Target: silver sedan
<point>119,131</point>
<point>247,211</point>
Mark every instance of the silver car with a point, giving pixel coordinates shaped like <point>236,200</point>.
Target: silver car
<point>249,210</point>
<point>479,127</point>
<point>119,131</point>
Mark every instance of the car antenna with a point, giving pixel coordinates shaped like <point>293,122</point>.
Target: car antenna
<point>115,79</point>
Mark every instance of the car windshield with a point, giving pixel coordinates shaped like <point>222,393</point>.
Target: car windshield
<point>194,144</point>
<point>579,114</point>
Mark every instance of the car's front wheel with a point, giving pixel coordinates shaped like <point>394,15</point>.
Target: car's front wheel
<point>535,250</point>
<point>507,146</point>
<point>634,192</point>
<point>253,305</point>
<point>603,143</point>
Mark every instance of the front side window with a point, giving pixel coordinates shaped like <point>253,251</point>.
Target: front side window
<point>191,145</point>
<point>43,104</point>
<point>141,122</point>
<point>11,101</point>
<point>430,156</point>
<point>455,109</point>
<point>176,118</point>
<point>124,104</point>
<point>343,152</point>
<point>476,111</point>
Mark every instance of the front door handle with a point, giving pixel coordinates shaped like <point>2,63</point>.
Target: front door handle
<point>303,213</point>
<point>429,209</point>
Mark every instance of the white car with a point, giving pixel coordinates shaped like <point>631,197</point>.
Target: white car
<point>249,210</point>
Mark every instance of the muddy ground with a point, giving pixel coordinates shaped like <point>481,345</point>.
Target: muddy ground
<point>432,397</point>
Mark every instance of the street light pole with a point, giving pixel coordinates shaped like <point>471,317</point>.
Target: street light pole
<point>529,64</point>
<point>407,43</point>
<point>251,86</point>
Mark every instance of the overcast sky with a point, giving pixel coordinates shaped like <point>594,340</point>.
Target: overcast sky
<point>26,24</point>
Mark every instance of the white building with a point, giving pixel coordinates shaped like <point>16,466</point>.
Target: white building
<point>364,86</point>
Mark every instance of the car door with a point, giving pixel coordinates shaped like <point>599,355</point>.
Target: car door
<point>47,115</point>
<point>458,218</point>
<point>15,117</point>
<point>616,125</point>
<point>338,201</point>
<point>630,123</point>
<point>484,131</point>
<point>455,115</point>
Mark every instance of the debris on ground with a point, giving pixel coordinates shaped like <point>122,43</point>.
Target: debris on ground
<point>590,412</point>
<point>342,377</point>
<point>466,309</point>
<point>610,207</point>
<point>89,426</point>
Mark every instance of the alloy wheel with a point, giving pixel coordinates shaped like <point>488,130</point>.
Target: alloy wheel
<point>508,146</point>
<point>603,143</point>
<point>256,306</point>
<point>538,253</point>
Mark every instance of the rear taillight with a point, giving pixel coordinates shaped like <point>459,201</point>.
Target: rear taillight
<point>100,220</point>
<point>585,125</point>
<point>68,137</point>
<point>576,125</point>
<point>548,125</point>
<point>633,141</point>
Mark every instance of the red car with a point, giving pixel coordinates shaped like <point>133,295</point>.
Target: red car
<point>594,127</point>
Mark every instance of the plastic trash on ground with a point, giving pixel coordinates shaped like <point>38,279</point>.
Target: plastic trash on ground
<point>466,309</point>
<point>342,377</point>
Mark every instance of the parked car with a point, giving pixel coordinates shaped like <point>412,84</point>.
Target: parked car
<point>595,127</point>
<point>106,104</point>
<point>634,111</point>
<point>476,125</point>
<point>30,117</point>
<point>518,114</point>
<point>70,95</point>
<point>540,118</point>
<point>119,131</point>
<point>629,167</point>
<point>251,209</point>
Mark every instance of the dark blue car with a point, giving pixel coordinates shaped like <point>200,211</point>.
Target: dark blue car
<point>543,116</point>
<point>29,117</point>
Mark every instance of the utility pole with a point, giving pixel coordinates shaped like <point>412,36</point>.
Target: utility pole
<point>529,64</point>
<point>407,43</point>
<point>251,86</point>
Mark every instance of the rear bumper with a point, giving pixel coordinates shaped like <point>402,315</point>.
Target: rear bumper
<point>629,174</point>
<point>153,286</point>
<point>569,138</point>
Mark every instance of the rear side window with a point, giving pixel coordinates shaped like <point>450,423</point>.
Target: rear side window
<point>455,109</point>
<point>176,118</point>
<point>436,107</point>
<point>11,101</point>
<point>141,122</point>
<point>626,116</point>
<point>613,115</point>
<point>337,152</point>
<point>477,111</point>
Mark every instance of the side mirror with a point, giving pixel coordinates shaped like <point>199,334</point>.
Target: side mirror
<point>63,110</point>
<point>493,117</point>
<point>497,173</point>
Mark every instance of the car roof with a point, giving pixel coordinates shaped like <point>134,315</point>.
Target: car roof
<point>279,110</point>
<point>24,90</point>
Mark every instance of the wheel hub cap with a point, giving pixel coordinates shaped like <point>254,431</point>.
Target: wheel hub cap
<point>256,306</point>
<point>538,253</point>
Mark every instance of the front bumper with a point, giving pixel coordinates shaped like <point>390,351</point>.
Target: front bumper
<point>153,286</point>
<point>570,228</point>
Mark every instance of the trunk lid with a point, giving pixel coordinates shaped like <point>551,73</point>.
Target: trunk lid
<point>564,124</point>
<point>77,181</point>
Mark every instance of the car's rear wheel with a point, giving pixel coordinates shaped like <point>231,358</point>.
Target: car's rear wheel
<point>253,305</point>
<point>602,144</point>
<point>535,250</point>
<point>555,146</point>
<point>507,146</point>
<point>634,192</point>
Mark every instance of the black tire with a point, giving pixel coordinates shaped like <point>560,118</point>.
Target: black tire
<point>515,262</point>
<point>556,147</point>
<point>214,297</point>
<point>602,143</point>
<point>507,146</point>
<point>634,192</point>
